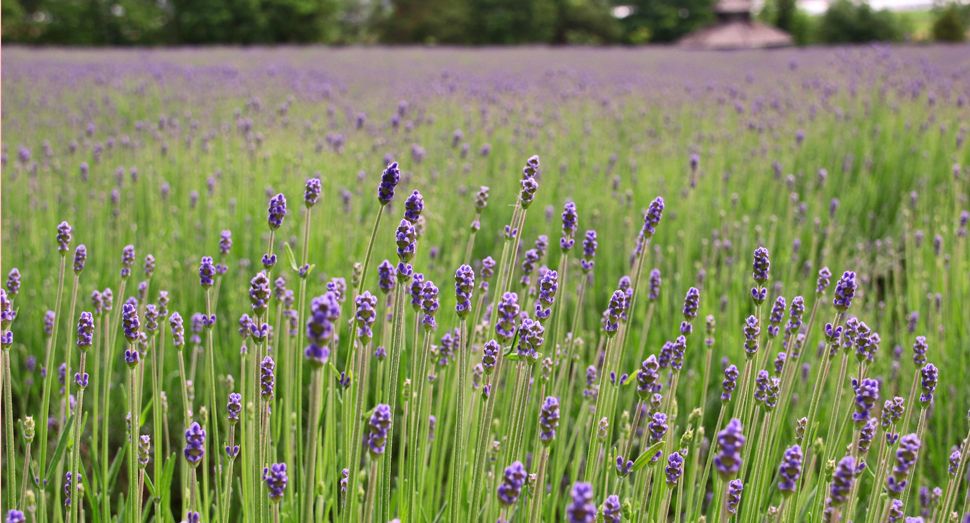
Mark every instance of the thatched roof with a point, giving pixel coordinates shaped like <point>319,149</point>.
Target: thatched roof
<point>736,34</point>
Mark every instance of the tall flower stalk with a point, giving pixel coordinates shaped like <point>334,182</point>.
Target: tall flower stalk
<point>63,245</point>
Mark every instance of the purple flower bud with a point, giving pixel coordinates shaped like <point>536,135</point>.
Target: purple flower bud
<point>234,407</point>
<point>311,192</point>
<point>85,331</point>
<point>178,331</point>
<point>735,488</point>
<point>582,509</point>
<point>512,482</point>
<point>63,238</point>
<point>906,454</point>
<point>867,394</point>
<point>790,470</point>
<point>276,211</point>
<point>129,321</point>
<point>761,266</point>
<point>691,302</point>
<point>751,332</point>
<point>548,420</point>
<point>13,283</point>
<point>844,291</point>
<point>730,383</point>
<point>919,351</point>
<point>80,255</point>
<point>194,444</point>
<point>648,379</point>
<point>612,510</point>
<point>674,469</point>
<point>652,218</point>
<point>324,312</point>
<point>127,259</point>
<point>842,481</point>
<point>389,180</point>
<point>365,316</point>
<point>207,272</point>
<point>730,442</point>
<point>413,207</point>
<point>822,283</point>
<point>225,242</point>
<point>508,309</point>
<point>276,480</point>
<point>928,380</point>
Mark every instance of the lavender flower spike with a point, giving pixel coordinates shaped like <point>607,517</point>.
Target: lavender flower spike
<point>63,238</point>
<point>464,285</point>
<point>730,441</point>
<point>194,444</point>
<point>735,488</point>
<point>652,218</point>
<point>548,420</point>
<point>389,180</point>
<point>844,291</point>
<point>207,272</point>
<point>582,509</point>
<point>276,211</point>
<point>512,482</point>
<point>379,426</point>
<point>276,480</point>
<point>311,192</point>
<point>790,470</point>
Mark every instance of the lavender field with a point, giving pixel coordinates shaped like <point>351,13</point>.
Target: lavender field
<point>435,285</point>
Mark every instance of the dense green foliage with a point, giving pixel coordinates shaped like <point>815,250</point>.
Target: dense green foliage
<point>951,23</point>
<point>856,22</point>
<point>453,22</point>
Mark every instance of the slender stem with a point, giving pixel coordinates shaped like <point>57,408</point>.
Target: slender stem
<point>458,455</point>
<point>370,248</point>
<point>309,482</point>
<point>48,384</point>
<point>213,409</point>
<point>707,467</point>
<point>297,379</point>
<point>157,426</point>
<point>540,486</point>
<point>8,422</point>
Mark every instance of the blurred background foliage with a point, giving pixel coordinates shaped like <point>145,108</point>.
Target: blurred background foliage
<point>446,22</point>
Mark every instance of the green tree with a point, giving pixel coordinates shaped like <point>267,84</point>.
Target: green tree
<point>951,22</point>
<point>428,21</point>
<point>849,22</point>
<point>666,20</point>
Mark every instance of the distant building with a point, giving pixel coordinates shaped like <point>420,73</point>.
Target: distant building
<point>734,29</point>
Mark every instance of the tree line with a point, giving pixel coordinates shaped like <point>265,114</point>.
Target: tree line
<point>449,22</point>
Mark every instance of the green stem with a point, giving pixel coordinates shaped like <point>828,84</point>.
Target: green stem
<point>309,483</point>
<point>213,409</point>
<point>8,422</point>
<point>48,383</point>
<point>370,249</point>
<point>457,456</point>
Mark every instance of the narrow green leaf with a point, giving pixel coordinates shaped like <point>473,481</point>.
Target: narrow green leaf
<point>95,506</point>
<point>58,451</point>
<point>144,414</point>
<point>290,258</point>
<point>165,486</point>
<point>646,455</point>
<point>150,485</point>
<point>116,466</point>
